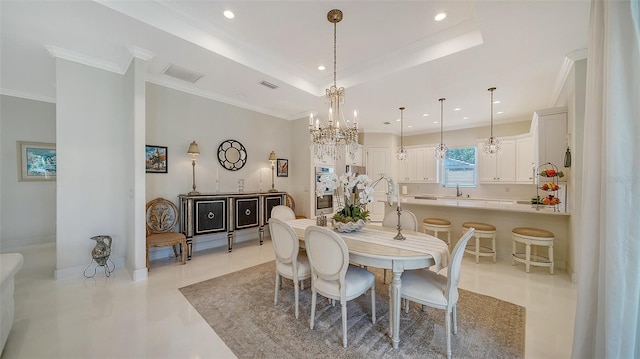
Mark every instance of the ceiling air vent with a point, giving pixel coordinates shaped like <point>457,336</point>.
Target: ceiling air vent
<point>182,73</point>
<point>268,84</point>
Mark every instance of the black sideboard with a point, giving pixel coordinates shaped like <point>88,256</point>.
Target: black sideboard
<point>226,212</point>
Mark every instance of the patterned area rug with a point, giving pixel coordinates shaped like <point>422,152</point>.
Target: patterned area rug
<point>239,307</point>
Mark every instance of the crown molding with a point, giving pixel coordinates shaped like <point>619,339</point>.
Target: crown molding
<point>69,55</point>
<point>26,95</point>
<point>569,60</point>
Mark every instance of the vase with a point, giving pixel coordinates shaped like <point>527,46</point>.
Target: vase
<point>348,226</point>
<point>102,250</point>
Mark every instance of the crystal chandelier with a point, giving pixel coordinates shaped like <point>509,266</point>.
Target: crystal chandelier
<point>402,152</point>
<point>492,145</point>
<point>334,136</point>
<point>441,149</point>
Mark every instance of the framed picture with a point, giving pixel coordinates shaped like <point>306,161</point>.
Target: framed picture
<point>283,167</point>
<point>156,159</point>
<point>36,161</point>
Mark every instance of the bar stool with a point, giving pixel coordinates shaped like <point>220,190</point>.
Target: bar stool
<point>437,225</point>
<point>532,237</point>
<point>483,230</point>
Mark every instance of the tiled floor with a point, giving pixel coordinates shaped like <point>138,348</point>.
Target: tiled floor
<point>118,318</point>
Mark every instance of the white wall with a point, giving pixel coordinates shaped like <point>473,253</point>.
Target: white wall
<point>28,208</point>
<point>93,184</point>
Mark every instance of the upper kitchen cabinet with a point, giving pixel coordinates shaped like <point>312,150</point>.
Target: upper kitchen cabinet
<point>358,158</point>
<point>499,167</point>
<point>551,134</point>
<point>420,166</point>
<point>525,158</point>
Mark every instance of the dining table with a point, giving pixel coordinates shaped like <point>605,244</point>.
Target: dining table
<point>375,246</point>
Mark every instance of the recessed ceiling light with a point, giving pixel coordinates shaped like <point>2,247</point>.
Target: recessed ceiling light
<point>457,109</point>
<point>465,118</point>
<point>441,16</point>
<point>321,68</point>
<point>398,120</point>
<point>436,122</point>
<point>425,115</point>
<point>497,101</point>
<point>500,112</point>
<point>229,14</point>
<point>409,126</point>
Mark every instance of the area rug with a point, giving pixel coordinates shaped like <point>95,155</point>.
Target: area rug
<point>239,307</point>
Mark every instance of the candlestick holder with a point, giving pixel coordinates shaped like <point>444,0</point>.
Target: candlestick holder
<point>399,236</point>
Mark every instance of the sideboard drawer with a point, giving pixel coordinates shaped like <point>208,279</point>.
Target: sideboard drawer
<point>247,212</point>
<point>211,216</point>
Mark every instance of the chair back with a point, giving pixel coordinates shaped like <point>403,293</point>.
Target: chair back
<point>285,241</point>
<point>453,272</point>
<point>161,216</point>
<point>408,220</point>
<point>283,213</point>
<point>328,254</point>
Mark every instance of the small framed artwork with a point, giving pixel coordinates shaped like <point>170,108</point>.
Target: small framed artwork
<point>156,159</point>
<point>36,161</point>
<point>283,167</point>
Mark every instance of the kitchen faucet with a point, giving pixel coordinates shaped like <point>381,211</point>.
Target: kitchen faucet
<point>458,192</point>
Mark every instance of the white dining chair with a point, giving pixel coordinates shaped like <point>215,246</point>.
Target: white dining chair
<point>332,276</point>
<point>290,262</point>
<point>435,290</point>
<point>408,221</point>
<point>283,213</point>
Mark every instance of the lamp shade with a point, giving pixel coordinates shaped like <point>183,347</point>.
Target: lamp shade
<point>193,149</point>
<point>272,156</point>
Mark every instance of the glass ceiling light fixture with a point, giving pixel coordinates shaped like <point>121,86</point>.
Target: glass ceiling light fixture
<point>441,149</point>
<point>402,152</point>
<point>334,135</point>
<point>492,145</point>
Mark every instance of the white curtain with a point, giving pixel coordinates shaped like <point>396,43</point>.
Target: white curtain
<point>607,321</point>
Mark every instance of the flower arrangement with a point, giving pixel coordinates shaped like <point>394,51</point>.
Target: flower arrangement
<point>356,191</point>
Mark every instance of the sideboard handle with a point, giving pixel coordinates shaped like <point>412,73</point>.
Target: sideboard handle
<point>247,212</point>
<point>211,215</point>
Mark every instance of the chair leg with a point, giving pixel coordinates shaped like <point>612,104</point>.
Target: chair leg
<point>477,249</point>
<point>455,320</point>
<point>295,295</point>
<point>147,257</point>
<point>551,258</point>
<point>278,279</point>
<point>527,261</point>
<point>447,320</point>
<point>493,246</point>
<point>384,280</point>
<point>373,303</point>
<point>513,253</point>
<point>313,306</point>
<point>343,305</point>
<point>183,252</point>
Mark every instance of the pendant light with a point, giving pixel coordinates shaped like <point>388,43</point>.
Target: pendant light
<point>492,145</point>
<point>402,152</point>
<point>441,149</point>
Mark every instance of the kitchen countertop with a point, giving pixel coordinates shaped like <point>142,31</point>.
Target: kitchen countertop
<point>494,204</point>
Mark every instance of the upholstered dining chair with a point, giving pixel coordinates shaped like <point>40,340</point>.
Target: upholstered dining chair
<point>435,290</point>
<point>290,263</point>
<point>283,212</point>
<point>162,218</point>
<point>408,221</point>
<point>332,276</point>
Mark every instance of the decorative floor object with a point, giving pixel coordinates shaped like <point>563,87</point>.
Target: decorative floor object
<point>239,307</point>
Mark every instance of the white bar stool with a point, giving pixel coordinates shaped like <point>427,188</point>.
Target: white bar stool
<point>483,231</point>
<point>532,237</point>
<point>437,225</point>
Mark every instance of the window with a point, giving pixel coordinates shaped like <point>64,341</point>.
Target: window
<point>459,167</point>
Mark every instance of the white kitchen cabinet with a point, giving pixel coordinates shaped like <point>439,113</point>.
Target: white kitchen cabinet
<point>551,134</point>
<point>357,160</point>
<point>420,166</point>
<point>499,167</point>
<point>525,159</point>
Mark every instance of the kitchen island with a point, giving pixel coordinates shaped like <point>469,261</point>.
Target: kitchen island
<point>504,214</point>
